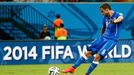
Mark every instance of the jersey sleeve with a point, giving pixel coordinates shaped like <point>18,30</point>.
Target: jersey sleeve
<point>119,14</point>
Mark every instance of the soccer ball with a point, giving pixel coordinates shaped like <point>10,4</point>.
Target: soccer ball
<point>54,70</point>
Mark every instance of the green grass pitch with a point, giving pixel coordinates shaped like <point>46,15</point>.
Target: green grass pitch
<point>42,69</point>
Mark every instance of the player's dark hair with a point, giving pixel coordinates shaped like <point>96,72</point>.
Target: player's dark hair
<point>58,16</point>
<point>61,25</point>
<point>105,6</point>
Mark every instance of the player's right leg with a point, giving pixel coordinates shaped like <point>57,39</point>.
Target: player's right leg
<point>102,52</point>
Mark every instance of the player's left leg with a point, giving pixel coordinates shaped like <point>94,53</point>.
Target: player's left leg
<point>78,63</point>
<point>104,50</point>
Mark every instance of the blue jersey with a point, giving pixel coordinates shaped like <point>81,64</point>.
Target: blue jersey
<point>112,30</point>
<point>107,41</point>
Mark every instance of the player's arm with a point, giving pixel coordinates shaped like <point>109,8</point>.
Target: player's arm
<point>103,30</point>
<point>119,19</point>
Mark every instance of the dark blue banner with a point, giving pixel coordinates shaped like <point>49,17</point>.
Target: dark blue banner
<point>58,52</point>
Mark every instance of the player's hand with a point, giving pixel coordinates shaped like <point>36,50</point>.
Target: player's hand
<point>112,21</point>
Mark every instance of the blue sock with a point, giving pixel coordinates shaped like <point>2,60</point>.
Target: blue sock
<point>79,62</point>
<point>92,67</point>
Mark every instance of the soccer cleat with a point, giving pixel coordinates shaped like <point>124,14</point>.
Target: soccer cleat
<point>69,70</point>
<point>85,74</point>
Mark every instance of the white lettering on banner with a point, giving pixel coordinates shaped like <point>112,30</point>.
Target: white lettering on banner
<point>18,53</point>
<point>9,51</point>
<point>32,53</point>
<point>58,51</point>
<point>52,52</point>
<point>44,52</point>
<point>25,52</point>
<point>124,48</point>
<point>116,55</point>
<point>17,48</point>
<point>110,54</point>
<point>68,53</point>
<point>83,50</point>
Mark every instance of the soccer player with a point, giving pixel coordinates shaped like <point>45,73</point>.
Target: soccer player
<point>57,22</point>
<point>102,46</point>
<point>61,33</point>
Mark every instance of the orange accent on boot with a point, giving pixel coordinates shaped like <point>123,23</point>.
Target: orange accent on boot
<point>69,70</point>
